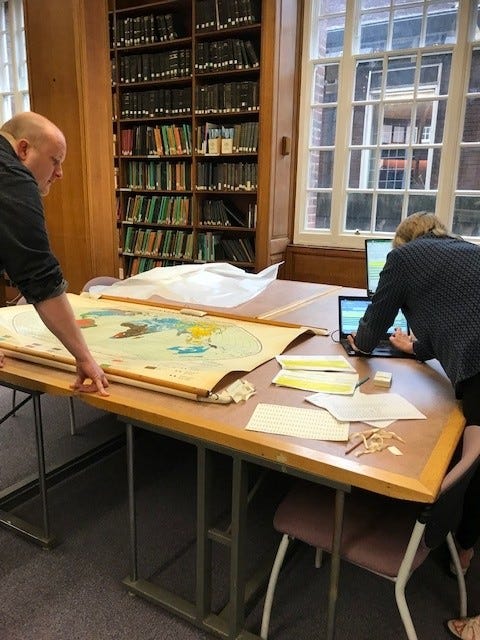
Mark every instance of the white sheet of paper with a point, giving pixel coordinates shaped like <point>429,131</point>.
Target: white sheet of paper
<point>315,424</point>
<point>219,284</point>
<point>363,406</point>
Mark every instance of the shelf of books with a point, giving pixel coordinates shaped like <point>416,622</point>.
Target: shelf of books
<point>185,92</point>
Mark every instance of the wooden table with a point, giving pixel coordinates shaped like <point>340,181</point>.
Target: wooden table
<point>416,475</point>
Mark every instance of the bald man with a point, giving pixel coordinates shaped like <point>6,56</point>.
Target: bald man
<point>32,150</point>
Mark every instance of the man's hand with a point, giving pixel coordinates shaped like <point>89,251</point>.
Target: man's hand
<point>402,341</point>
<point>90,371</point>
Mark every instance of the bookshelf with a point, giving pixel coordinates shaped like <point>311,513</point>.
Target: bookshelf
<point>195,131</point>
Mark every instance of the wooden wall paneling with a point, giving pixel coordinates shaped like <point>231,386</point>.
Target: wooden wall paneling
<point>345,267</point>
<point>278,101</point>
<point>70,84</point>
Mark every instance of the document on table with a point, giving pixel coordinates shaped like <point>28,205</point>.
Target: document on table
<point>364,406</point>
<point>315,363</point>
<point>315,424</point>
<point>320,381</point>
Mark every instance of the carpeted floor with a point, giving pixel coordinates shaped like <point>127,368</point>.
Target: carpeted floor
<point>75,592</point>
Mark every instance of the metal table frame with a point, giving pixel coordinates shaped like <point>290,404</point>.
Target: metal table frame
<point>230,621</point>
<point>16,494</point>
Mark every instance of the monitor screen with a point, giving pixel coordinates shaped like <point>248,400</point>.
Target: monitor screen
<point>352,310</point>
<point>376,251</point>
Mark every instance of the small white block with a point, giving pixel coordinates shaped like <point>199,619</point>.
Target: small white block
<point>382,379</point>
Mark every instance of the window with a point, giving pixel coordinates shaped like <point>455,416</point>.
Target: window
<point>14,96</point>
<point>391,100</point>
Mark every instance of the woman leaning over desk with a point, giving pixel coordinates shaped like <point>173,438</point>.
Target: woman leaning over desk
<point>434,277</point>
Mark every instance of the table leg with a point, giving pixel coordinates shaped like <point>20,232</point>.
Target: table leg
<point>132,515</point>
<point>204,543</point>
<point>237,551</point>
<point>335,563</point>
<point>39,535</point>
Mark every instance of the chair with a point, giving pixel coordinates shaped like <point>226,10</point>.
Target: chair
<point>100,281</point>
<point>386,536</point>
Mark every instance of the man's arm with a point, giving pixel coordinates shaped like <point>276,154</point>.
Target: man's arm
<point>57,314</point>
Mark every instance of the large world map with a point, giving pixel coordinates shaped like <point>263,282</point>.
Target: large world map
<point>156,345</point>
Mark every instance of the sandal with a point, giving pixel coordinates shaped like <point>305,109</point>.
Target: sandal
<point>465,628</point>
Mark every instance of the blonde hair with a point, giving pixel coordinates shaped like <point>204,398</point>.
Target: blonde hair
<point>419,224</point>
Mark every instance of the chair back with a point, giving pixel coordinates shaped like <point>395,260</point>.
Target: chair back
<point>444,514</point>
<point>100,281</point>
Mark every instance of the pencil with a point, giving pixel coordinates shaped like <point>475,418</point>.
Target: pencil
<point>360,382</point>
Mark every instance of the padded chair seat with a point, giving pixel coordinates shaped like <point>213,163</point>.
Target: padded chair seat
<point>372,525</point>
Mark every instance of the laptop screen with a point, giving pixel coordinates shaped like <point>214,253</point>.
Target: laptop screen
<point>376,250</point>
<point>351,310</point>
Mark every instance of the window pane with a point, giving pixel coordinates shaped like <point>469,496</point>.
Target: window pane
<point>323,126</point>
<point>400,75</point>
<point>471,127</point>
<point>362,166</point>
<point>318,210</point>
<point>321,168</point>
<point>389,212</point>
<point>421,202</point>
<point>325,86</point>
<point>469,169</point>
<point>368,80</point>
<point>424,171</point>
<point>329,40</point>
<point>435,74</point>
<point>332,6</point>
<point>474,83</point>
<point>466,216</point>
<point>407,26</point>
<point>374,4</point>
<point>365,125</point>
<point>373,32</point>
<point>397,121</point>
<point>7,107</point>
<point>359,208</point>
<point>441,23</point>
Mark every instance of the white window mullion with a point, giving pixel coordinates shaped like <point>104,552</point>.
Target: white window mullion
<point>454,115</point>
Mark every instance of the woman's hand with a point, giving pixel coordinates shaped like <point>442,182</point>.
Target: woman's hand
<point>402,341</point>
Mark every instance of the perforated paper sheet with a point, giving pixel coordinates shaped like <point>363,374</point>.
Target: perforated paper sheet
<point>316,424</point>
<point>368,407</point>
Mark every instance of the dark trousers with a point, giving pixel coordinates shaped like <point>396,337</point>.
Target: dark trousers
<point>468,532</point>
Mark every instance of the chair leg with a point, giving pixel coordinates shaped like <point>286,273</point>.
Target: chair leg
<point>14,400</point>
<point>71,410</point>
<point>272,583</point>
<point>318,557</point>
<point>462,590</point>
<point>402,579</point>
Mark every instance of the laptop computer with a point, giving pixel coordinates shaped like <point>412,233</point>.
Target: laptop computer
<point>376,251</point>
<point>351,310</point>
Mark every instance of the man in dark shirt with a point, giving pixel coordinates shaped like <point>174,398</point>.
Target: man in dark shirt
<point>32,150</point>
<point>434,278</point>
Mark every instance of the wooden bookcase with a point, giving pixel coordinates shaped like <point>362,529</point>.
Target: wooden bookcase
<point>203,102</point>
<point>69,82</point>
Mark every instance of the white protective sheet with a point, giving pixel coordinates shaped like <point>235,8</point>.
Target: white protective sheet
<point>217,284</point>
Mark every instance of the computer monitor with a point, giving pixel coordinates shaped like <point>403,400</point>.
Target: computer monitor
<point>376,251</point>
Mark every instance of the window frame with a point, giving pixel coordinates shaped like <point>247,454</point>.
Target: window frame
<point>15,50</point>
<point>461,52</point>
